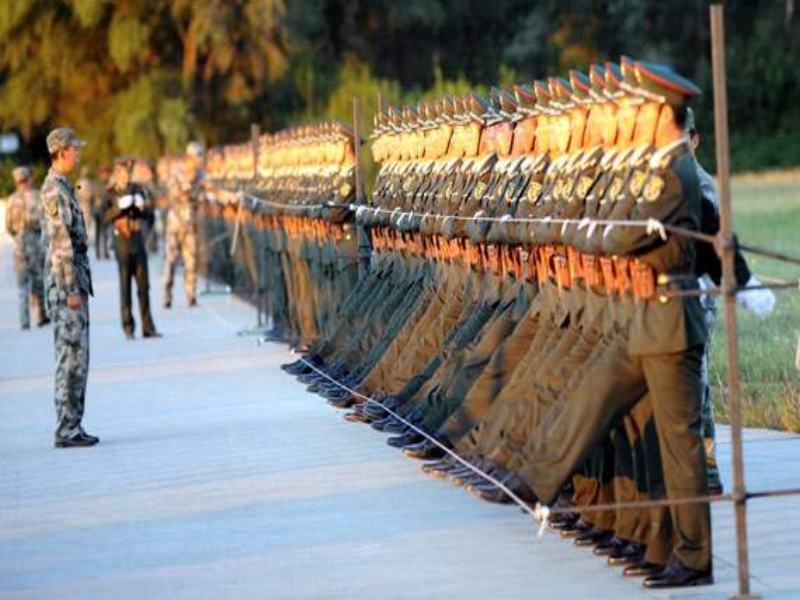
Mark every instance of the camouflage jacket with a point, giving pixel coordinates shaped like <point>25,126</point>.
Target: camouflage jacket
<point>64,236</point>
<point>23,213</point>
<point>184,193</point>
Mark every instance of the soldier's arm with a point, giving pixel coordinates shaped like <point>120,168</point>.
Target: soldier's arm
<point>708,261</point>
<point>676,203</point>
<point>56,216</point>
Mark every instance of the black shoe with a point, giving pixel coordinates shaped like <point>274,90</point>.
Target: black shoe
<point>631,554</point>
<point>343,402</point>
<point>356,416</point>
<point>610,547</point>
<point>677,575</point>
<point>578,528</point>
<point>192,303</point>
<point>404,440</point>
<point>425,450</point>
<point>440,466</point>
<point>43,322</point>
<point>593,538</point>
<point>642,569</point>
<point>151,334</point>
<point>79,440</point>
<point>167,304</point>
<point>396,427</point>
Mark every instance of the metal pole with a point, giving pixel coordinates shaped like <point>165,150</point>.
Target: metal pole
<point>725,248</point>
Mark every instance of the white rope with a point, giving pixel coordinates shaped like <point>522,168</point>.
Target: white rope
<point>536,513</point>
<point>650,225</point>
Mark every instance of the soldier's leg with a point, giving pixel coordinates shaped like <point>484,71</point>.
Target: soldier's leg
<point>125,269</point>
<point>171,253</point>
<point>24,291</point>
<point>674,381</point>
<point>35,261</point>
<point>570,430</point>
<point>189,256</point>
<point>71,332</point>
<point>140,272</point>
<point>709,428</point>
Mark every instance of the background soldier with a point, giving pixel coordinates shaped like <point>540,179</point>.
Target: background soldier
<point>183,191</point>
<point>131,215</point>
<point>85,190</point>
<point>68,285</point>
<point>99,207</point>
<point>24,224</point>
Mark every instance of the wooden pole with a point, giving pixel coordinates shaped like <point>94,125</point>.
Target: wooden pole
<point>726,249</point>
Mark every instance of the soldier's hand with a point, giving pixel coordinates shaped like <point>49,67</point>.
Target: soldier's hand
<point>74,301</point>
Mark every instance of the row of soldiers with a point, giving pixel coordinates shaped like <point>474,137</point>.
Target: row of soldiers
<point>295,246</point>
<point>531,302</point>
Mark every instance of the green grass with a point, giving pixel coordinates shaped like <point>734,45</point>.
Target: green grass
<point>766,214</point>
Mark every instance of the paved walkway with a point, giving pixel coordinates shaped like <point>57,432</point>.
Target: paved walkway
<point>220,477</point>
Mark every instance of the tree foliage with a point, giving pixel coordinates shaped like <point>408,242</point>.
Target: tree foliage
<point>144,76</point>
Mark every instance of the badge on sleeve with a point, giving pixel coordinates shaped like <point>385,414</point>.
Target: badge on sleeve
<point>51,205</point>
<point>653,188</point>
<point>584,185</point>
<point>638,177</point>
<point>533,191</point>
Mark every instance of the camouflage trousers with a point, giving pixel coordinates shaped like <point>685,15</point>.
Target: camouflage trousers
<point>181,243</point>
<point>28,263</point>
<point>71,332</point>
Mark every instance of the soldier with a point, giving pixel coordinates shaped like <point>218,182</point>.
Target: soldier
<point>68,285</point>
<point>130,214</point>
<point>99,207</point>
<point>24,224</point>
<point>184,191</point>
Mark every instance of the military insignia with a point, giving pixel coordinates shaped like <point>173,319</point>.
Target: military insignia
<point>584,185</point>
<point>653,188</point>
<point>51,205</point>
<point>614,189</point>
<point>480,189</point>
<point>510,192</point>
<point>638,177</point>
<point>345,190</point>
<point>533,191</point>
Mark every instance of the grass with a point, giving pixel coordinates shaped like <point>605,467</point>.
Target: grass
<point>766,214</point>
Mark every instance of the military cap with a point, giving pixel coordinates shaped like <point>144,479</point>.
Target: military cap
<point>526,99</point>
<point>581,87</point>
<point>508,106</point>
<point>195,148</point>
<point>475,107</point>
<point>661,84</point>
<point>613,88</point>
<point>21,174</point>
<point>61,139</point>
<point>597,77</point>
<point>560,93</point>
<point>543,96</point>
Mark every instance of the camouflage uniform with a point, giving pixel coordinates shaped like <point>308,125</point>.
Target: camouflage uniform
<point>67,273</point>
<point>23,223</point>
<point>181,235</point>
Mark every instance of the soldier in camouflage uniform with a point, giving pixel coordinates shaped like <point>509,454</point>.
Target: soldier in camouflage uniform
<point>68,285</point>
<point>184,191</point>
<point>24,224</point>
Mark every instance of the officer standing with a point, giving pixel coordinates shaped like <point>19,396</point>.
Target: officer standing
<point>68,285</point>
<point>24,224</point>
<point>183,193</point>
<point>130,215</point>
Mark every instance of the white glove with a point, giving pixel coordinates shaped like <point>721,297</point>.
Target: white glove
<point>125,201</point>
<point>139,201</point>
<point>759,302</point>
